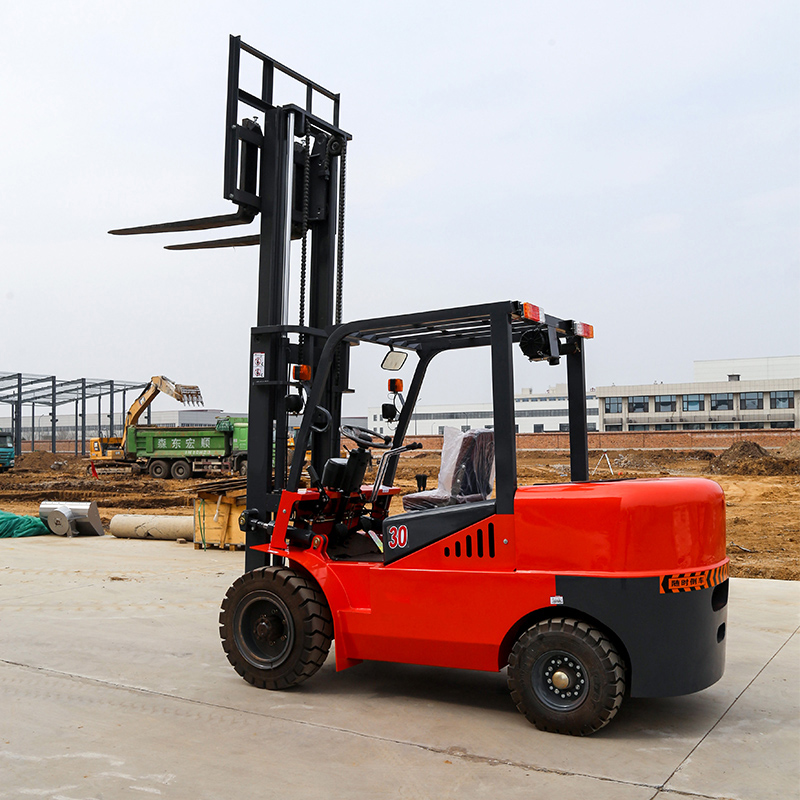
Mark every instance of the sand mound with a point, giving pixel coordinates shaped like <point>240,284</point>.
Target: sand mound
<point>750,458</point>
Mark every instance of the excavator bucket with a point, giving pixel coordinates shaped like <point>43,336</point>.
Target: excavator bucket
<point>189,395</point>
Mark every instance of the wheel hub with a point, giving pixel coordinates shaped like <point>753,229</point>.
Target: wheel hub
<point>559,680</point>
<point>270,629</point>
<point>263,630</point>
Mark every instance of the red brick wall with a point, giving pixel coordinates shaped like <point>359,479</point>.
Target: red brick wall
<point>673,440</point>
<point>616,440</point>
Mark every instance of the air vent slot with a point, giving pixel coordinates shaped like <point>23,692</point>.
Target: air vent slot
<point>474,548</point>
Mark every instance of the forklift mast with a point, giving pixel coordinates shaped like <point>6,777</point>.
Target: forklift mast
<point>291,172</point>
<point>299,159</point>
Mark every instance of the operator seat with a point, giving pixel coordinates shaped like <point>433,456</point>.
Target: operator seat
<point>473,472</point>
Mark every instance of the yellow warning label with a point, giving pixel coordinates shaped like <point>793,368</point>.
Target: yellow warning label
<point>690,581</point>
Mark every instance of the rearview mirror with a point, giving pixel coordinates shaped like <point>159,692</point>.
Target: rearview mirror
<point>394,360</point>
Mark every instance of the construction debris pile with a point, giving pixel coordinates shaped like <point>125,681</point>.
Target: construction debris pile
<point>750,458</point>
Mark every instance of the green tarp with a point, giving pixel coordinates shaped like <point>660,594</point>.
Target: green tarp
<point>14,526</point>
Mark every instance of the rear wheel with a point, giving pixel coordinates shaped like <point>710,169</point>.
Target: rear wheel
<point>180,469</point>
<point>566,677</point>
<point>243,467</point>
<point>158,469</point>
<point>276,628</point>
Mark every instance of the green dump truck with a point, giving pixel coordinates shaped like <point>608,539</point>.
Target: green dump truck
<point>7,451</point>
<point>179,452</point>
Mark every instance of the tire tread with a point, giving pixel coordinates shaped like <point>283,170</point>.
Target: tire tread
<point>316,633</point>
<point>610,660</point>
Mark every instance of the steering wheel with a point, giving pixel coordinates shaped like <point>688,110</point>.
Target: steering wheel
<point>364,437</point>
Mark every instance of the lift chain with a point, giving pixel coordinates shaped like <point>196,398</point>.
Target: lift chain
<point>304,248</point>
<point>340,237</point>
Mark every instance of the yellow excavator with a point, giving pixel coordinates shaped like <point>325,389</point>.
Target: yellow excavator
<point>112,448</point>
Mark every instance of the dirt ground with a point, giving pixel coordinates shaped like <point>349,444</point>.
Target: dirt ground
<point>762,491</point>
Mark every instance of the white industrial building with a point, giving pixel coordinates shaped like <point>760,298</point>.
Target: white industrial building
<point>726,394</point>
<point>535,412</point>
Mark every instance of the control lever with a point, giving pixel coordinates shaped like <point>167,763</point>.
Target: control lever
<point>317,483</point>
<point>384,464</point>
<point>372,528</point>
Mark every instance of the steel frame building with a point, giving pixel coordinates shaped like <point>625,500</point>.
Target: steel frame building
<point>21,389</point>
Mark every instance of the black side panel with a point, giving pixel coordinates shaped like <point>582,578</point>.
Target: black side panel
<point>675,642</point>
<point>424,527</point>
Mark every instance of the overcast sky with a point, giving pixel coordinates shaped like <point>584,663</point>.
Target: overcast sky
<point>630,164</point>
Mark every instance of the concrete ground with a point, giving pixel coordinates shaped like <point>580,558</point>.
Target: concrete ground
<point>113,684</point>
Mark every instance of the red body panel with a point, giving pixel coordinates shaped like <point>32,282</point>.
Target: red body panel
<point>431,608</point>
<point>621,528</point>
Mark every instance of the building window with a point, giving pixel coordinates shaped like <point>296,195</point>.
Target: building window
<point>786,424</point>
<point>750,425</point>
<point>613,405</point>
<point>666,427</point>
<point>441,430</point>
<point>781,399</point>
<point>665,403</point>
<point>464,428</point>
<point>613,427</point>
<point>694,426</point>
<point>538,428</point>
<point>751,401</point>
<point>694,402</point>
<point>722,402</point>
<point>639,404</point>
<point>638,427</point>
<point>721,426</point>
<point>591,426</point>
<point>563,426</point>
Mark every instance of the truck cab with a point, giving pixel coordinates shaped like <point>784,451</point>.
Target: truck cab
<point>6,451</point>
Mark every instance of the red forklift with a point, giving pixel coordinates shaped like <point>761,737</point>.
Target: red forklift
<point>585,591</point>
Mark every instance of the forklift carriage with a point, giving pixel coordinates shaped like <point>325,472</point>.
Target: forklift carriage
<point>585,591</point>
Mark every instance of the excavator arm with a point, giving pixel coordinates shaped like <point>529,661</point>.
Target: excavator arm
<point>159,383</point>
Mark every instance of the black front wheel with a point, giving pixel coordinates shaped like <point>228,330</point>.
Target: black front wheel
<point>566,677</point>
<point>276,627</point>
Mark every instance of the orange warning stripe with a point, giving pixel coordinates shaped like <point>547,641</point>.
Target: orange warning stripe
<point>691,581</point>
